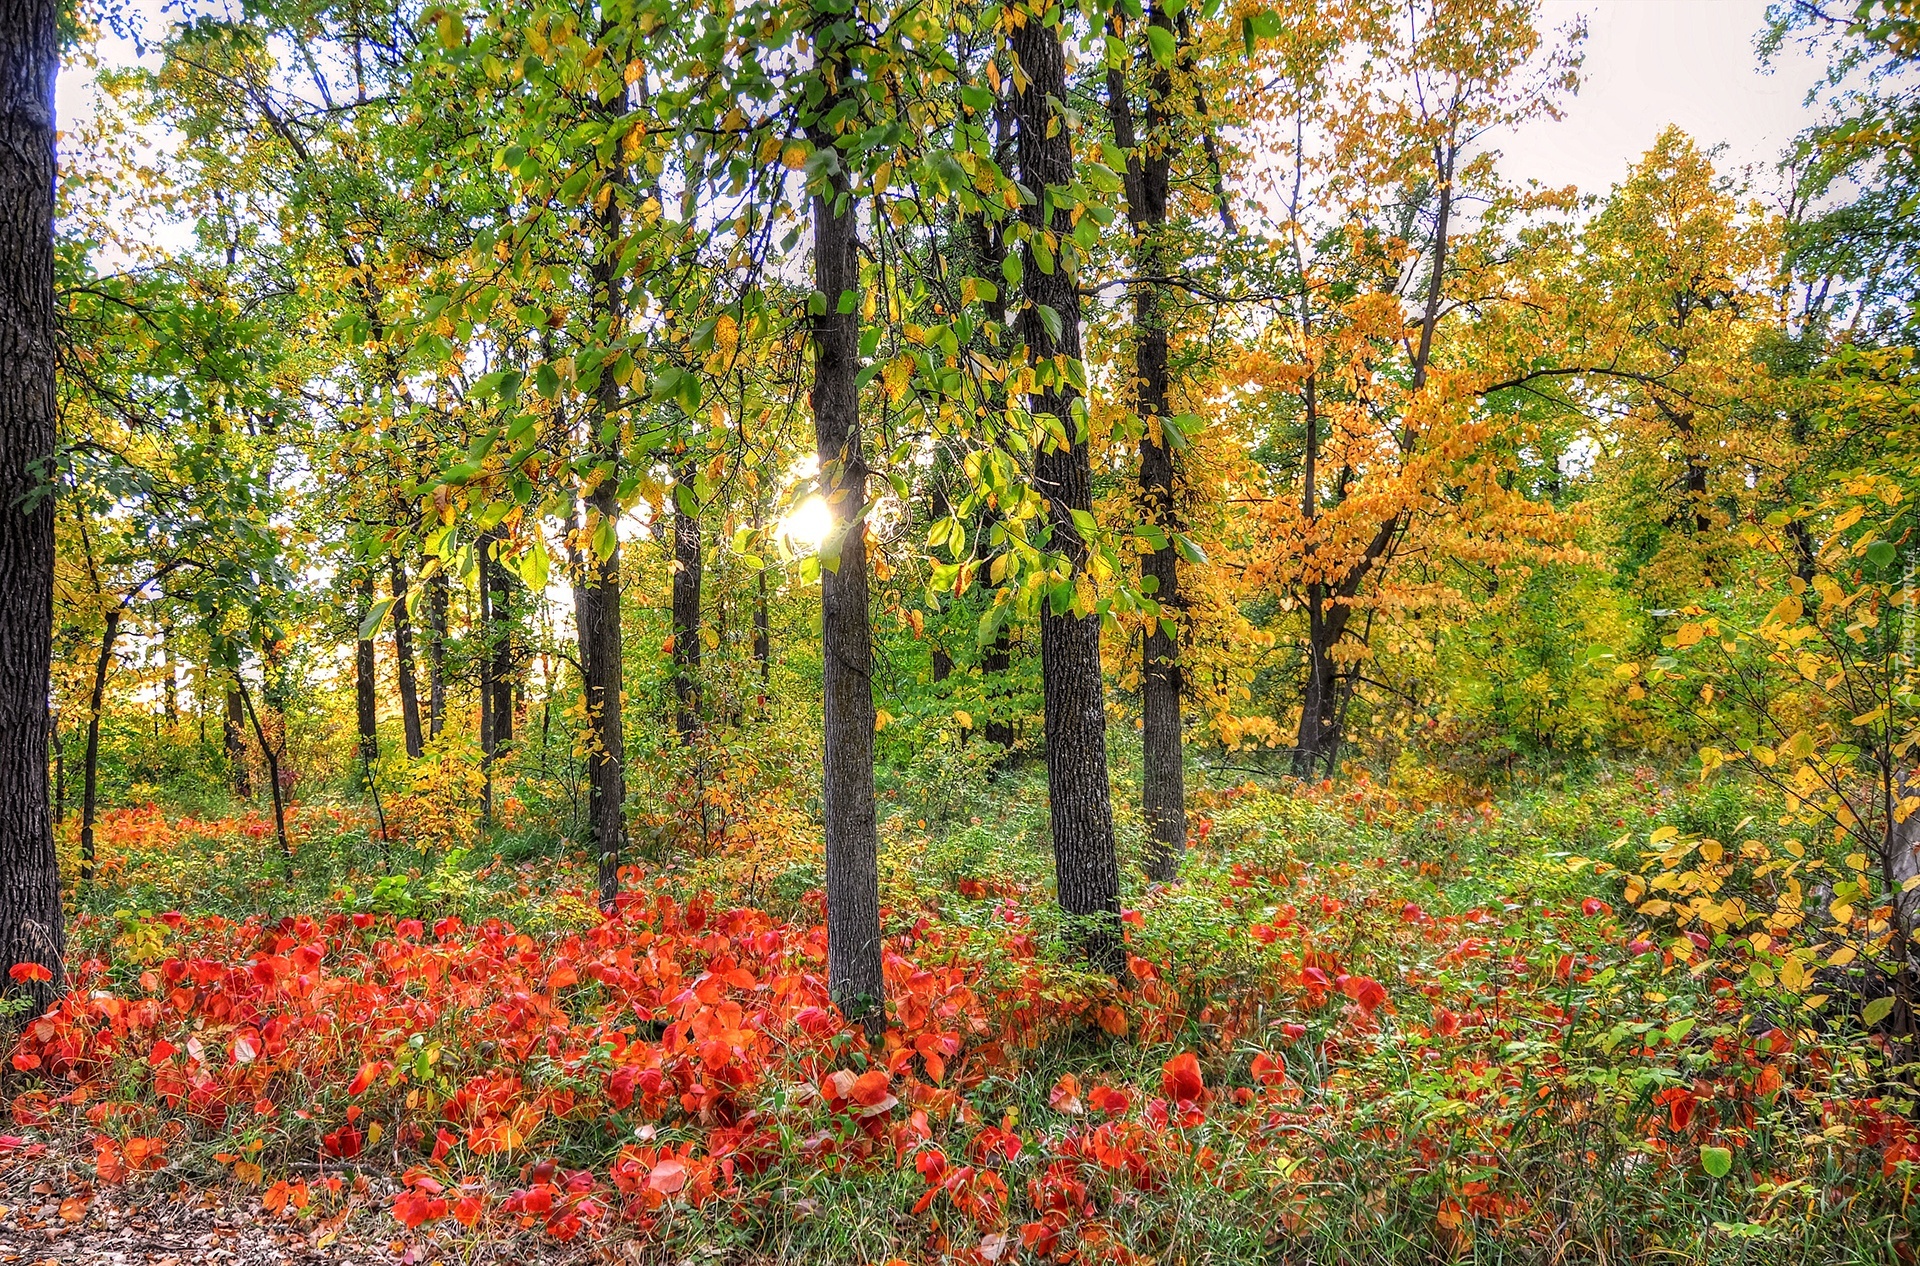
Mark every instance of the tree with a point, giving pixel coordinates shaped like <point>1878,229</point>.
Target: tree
<point>1149,152</point>
<point>853,877</point>
<point>32,931</point>
<point>1086,868</point>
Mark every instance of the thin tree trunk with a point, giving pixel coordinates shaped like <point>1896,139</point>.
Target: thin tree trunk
<point>31,927</point>
<point>90,764</point>
<point>436,652</point>
<point>1086,869</point>
<point>1330,604</point>
<point>170,685</point>
<point>59,777</point>
<point>499,671</point>
<point>853,874</point>
<point>686,604</point>
<point>403,659</point>
<point>483,598</point>
<point>364,698</point>
<point>233,732</point>
<point>272,757</point>
<point>762,631</point>
<point>1163,786</point>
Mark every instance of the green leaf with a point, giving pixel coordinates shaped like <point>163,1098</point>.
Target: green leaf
<point>1717,1161</point>
<point>375,618</point>
<point>1880,553</point>
<point>1161,41</point>
<point>1876,1011</point>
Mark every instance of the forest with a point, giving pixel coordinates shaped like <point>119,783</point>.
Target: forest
<point>902,632</point>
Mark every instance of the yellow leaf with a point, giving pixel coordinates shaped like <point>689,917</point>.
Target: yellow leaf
<point>1785,611</point>
<point>963,719</point>
<point>880,719</point>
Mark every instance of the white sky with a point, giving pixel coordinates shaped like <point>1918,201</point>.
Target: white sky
<point>1654,62</point>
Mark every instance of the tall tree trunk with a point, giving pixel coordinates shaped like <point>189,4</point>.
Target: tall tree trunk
<point>597,589</point>
<point>1163,783</point>
<point>499,671</point>
<point>762,632</point>
<point>436,652</point>
<point>483,598</point>
<point>31,926</point>
<point>403,658</point>
<point>364,698</point>
<point>90,767</point>
<point>169,685</point>
<point>853,871</point>
<point>1086,870</point>
<point>234,733</point>
<point>686,603</point>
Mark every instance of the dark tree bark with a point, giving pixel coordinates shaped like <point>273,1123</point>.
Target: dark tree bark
<point>483,599</point>
<point>1149,162</point>
<point>272,756</point>
<point>90,762</point>
<point>499,668</point>
<point>762,632</point>
<point>436,652</point>
<point>234,733</point>
<point>364,699</point>
<point>853,872</point>
<point>403,659</point>
<point>170,685</point>
<point>596,594</point>
<point>1086,870</point>
<point>31,927</point>
<point>686,604</point>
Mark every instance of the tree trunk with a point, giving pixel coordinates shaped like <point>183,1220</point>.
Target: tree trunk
<point>597,589</point>
<point>762,633</point>
<point>364,698</point>
<point>31,926</point>
<point>499,669</point>
<point>403,659</point>
<point>1163,783</point>
<point>1086,870</point>
<point>436,652</point>
<point>853,873</point>
<point>1318,745</point>
<point>170,684</point>
<point>234,731</point>
<point>272,757</point>
<point>90,765</point>
<point>686,604</point>
<point>483,598</point>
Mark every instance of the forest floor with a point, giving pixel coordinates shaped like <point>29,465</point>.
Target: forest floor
<point>1360,1029</point>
